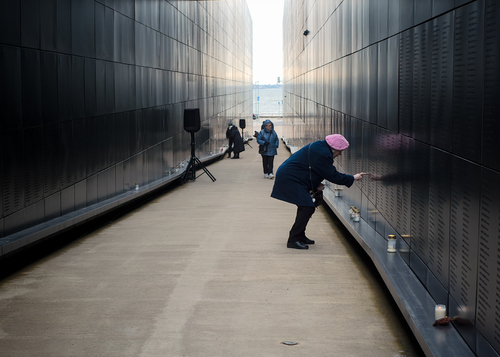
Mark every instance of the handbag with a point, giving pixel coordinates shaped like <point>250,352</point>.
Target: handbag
<point>262,149</point>
<point>316,196</point>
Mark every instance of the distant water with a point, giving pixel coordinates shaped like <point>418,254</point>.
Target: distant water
<point>270,103</point>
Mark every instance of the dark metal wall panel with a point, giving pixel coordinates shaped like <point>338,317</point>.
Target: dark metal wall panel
<point>68,200</point>
<point>100,87</point>
<point>48,25</point>
<point>406,83</point>
<point>387,170</point>
<point>423,10</point>
<point>78,86</point>
<point>436,289</point>
<point>392,83</point>
<point>88,12</point>
<point>406,11</point>
<point>405,164</point>
<point>51,163</point>
<point>126,7</point>
<point>420,200</point>
<point>464,229</point>
<point>15,222</point>
<point>346,84</point>
<point>441,6</point>
<point>106,142</point>
<point>99,30</point>
<point>483,348</point>
<point>12,171</point>
<point>491,124</point>
<point>35,213</point>
<point>33,165</point>
<point>53,206</point>
<point>489,259</point>
<point>31,88</point>
<point>418,267</point>
<point>64,26</point>
<point>48,70</point>
<point>30,23</point>
<point>91,190</point>
<point>370,155</point>
<point>374,35</point>
<point>357,25</point>
<point>90,87</point>
<point>10,90</point>
<point>10,23</point>
<point>78,24</point>
<point>422,56</point>
<point>439,214</point>
<point>394,18</point>
<point>119,179</point>
<point>346,13</point>
<point>110,88</point>
<point>66,154</point>
<point>468,81</point>
<point>92,151</point>
<point>382,74</point>
<point>79,143</point>
<point>442,82</point>
<point>64,87</point>
<point>372,95</point>
<point>105,184</point>
<point>80,194</point>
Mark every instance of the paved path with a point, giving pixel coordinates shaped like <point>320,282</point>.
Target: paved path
<point>204,271</point>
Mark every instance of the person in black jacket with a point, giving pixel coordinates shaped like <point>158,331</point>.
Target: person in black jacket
<point>235,141</point>
<point>303,173</point>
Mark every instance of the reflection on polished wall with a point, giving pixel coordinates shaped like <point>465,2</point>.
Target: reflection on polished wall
<point>92,95</point>
<point>414,86</point>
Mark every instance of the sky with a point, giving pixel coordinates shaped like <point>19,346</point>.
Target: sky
<point>267,17</point>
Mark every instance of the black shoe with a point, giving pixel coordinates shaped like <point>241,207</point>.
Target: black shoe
<point>235,157</point>
<point>306,240</point>
<point>297,245</point>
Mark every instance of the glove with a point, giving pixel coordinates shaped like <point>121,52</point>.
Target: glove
<point>266,143</point>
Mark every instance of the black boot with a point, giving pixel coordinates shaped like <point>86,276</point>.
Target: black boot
<point>296,245</point>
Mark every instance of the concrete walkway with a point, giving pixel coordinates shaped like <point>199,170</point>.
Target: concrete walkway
<point>204,271</point>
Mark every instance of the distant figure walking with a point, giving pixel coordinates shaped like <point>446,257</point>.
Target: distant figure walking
<point>268,145</point>
<point>235,141</point>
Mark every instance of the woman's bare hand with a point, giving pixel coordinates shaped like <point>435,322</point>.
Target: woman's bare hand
<point>359,177</point>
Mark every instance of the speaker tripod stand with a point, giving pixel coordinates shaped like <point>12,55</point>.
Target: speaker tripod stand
<point>245,141</point>
<point>190,173</point>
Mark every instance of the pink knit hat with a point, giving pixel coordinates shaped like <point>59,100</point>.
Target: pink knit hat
<point>337,142</point>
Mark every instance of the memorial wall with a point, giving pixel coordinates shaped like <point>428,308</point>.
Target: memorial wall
<point>92,95</point>
<point>414,86</point>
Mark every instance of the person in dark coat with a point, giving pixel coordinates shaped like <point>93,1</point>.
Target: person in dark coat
<point>301,174</point>
<point>270,140</point>
<point>235,141</point>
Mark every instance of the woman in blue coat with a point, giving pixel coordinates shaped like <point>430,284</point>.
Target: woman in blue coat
<point>301,174</point>
<point>269,139</point>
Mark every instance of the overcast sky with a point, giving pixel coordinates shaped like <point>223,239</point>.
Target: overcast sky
<point>267,17</point>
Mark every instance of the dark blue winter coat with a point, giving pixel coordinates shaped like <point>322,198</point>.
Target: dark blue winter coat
<point>269,136</point>
<point>292,182</point>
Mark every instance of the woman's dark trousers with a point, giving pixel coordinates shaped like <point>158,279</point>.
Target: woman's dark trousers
<point>230,148</point>
<point>298,231</point>
<point>267,162</point>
